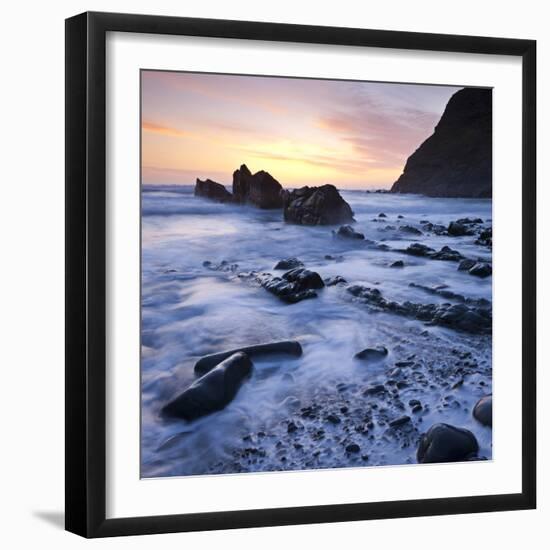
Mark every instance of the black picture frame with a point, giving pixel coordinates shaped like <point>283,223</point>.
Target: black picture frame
<point>86,273</point>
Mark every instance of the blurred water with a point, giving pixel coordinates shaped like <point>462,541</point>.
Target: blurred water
<point>189,311</point>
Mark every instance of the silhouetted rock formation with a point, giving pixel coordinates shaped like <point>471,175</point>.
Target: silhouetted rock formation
<point>211,190</point>
<point>316,206</point>
<point>456,160</point>
<point>260,189</point>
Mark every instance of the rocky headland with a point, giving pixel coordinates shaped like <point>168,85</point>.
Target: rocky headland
<point>456,160</point>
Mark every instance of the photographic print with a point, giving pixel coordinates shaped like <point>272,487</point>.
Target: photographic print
<point>316,274</point>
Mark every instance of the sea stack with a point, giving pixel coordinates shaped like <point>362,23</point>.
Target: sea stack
<point>260,189</point>
<point>212,190</point>
<point>316,206</point>
<point>456,160</point>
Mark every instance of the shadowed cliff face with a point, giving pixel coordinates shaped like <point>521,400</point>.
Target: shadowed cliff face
<point>456,160</point>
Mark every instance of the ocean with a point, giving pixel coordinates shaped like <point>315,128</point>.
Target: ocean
<point>190,309</point>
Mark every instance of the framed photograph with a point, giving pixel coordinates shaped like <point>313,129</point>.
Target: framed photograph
<point>300,274</point>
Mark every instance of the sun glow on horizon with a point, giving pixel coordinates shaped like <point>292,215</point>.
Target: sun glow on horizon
<point>303,132</point>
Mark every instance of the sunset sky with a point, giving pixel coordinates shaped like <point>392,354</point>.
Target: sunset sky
<point>351,134</point>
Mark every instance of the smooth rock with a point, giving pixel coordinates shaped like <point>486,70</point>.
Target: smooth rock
<point>402,420</point>
<point>372,354</point>
<point>347,232</point>
<point>286,347</point>
<point>446,443</point>
<point>483,410</point>
<point>213,391</point>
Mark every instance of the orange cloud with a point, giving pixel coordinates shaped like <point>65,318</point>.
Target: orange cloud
<point>163,130</point>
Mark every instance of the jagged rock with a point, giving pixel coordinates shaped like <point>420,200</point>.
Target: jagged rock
<point>410,229</point>
<point>483,410</point>
<point>446,443</point>
<point>316,206</point>
<point>485,237</point>
<point>456,229</point>
<point>481,269</point>
<point>213,391</point>
<point>469,221</point>
<point>294,286</point>
<point>336,280</point>
<point>447,254</point>
<point>304,278</point>
<point>419,249</point>
<point>347,232</point>
<point>288,263</point>
<point>287,347</point>
<point>466,264</point>
<point>211,190</point>
<point>260,189</point>
<point>456,160</point>
<point>473,317</point>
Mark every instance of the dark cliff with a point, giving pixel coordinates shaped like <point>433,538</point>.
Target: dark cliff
<point>456,160</point>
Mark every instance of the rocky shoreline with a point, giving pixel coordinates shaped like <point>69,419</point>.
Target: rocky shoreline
<point>392,406</point>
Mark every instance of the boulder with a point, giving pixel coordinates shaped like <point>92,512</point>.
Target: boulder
<point>481,269</point>
<point>446,443</point>
<point>211,190</point>
<point>286,347</point>
<point>475,316</point>
<point>419,249</point>
<point>401,421</point>
<point>213,391</point>
<point>469,221</point>
<point>288,263</point>
<point>294,286</point>
<point>466,264</point>
<point>397,263</point>
<point>483,410</point>
<point>410,229</point>
<point>447,254</point>
<point>457,229</point>
<point>316,206</point>
<point>456,160</point>
<point>372,354</point>
<point>336,280</point>
<point>259,189</point>
<point>304,279</point>
<point>347,232</point>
